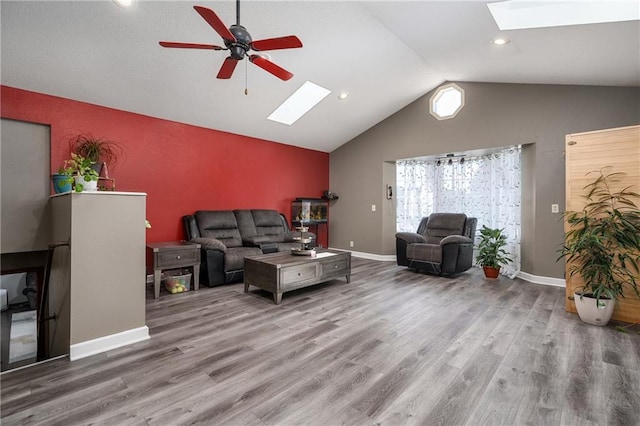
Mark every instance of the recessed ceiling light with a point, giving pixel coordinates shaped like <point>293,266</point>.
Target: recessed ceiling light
<point>343,95</point>
<point>124,3</point>
<point>500,41</point>
<point>298,104</point>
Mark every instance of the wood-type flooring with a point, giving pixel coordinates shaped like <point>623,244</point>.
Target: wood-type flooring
<point>393,347</point>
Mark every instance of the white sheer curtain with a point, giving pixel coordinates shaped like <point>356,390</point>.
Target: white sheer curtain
<point>486,187</point>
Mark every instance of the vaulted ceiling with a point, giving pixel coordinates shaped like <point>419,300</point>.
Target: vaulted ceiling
<point>384,54</point>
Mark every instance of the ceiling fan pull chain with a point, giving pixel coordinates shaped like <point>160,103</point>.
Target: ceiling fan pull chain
<point>246,74</point>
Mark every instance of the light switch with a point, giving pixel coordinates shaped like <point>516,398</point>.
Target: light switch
<point>373,207</point>
<point>554,208</point>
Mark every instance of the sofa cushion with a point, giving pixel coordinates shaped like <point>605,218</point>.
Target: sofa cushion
<point>246,224</point>
<point>234,258</point>
<point>441,225</point>
<point>269,223</point>
<point>221,225</point>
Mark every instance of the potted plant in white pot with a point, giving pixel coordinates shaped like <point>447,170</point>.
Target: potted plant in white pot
<point>602,245</point>
<point>491,253</point>
<point>86,178</point>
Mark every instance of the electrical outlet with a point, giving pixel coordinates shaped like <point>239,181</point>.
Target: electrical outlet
<point>373,207</point>
<point>554,208</point>
<point>350,243</point>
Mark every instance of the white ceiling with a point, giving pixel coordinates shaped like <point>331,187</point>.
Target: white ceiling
<point>385,54</point>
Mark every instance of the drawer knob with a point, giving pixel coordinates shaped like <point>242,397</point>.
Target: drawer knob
<point>178,257</point>
<point>335,266</point>
<point>298,273</point>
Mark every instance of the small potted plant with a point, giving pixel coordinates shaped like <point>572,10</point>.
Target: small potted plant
<point>62,180</point>
<point>86,178</point>
<point>491,253</point>
<point>602,246</point>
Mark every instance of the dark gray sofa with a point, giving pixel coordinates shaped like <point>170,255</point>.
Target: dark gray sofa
<point>228,236</point>
<point>443,244</point>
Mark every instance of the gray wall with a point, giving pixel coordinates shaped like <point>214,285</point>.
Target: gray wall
<point>494,115</point>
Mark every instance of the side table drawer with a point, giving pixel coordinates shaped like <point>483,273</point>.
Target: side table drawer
<point>335,267</point>
<point>296,274</point>
<point>176,257</point>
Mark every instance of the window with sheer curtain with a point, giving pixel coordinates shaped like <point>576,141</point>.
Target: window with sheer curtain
<point>487,187</point>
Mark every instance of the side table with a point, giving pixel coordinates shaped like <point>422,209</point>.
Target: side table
<point>174,254</point>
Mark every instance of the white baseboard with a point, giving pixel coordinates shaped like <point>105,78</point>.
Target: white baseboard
<point>370,256</point>
<point>555,282</point>
<point>535,279</point>
<point>106,343</point>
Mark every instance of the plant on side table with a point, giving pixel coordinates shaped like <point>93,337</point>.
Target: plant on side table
<point>491,253</point>
<point>86,178</point>
<point>602,245</point>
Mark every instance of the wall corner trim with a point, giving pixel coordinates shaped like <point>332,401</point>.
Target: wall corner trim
<point>106,343</point>
<point>535,279</point>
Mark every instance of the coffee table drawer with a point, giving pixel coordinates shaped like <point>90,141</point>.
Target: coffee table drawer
<point>294,275</point>
<point>335,267</point>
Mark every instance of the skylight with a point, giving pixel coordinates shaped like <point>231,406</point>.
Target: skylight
<point>521,14</point>
<point>298,104</point>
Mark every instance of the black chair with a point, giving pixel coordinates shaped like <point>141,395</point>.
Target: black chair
<point>443,244</point>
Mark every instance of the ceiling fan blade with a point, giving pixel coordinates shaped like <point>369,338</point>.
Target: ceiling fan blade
<point>227,68</point>
<point>287,42</point>
<point>215,22</point>
<point>190,45</point>
<point>270,67</point>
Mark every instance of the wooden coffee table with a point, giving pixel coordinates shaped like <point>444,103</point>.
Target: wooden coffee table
<point>282,272</point>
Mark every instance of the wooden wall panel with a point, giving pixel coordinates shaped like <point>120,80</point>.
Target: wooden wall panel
<point>586,152</point>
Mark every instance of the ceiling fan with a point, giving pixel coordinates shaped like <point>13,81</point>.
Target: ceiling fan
<point>239,43</point>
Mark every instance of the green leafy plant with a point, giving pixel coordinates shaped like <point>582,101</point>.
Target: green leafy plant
<point>66,171</point>
<point>602,243</point>
<point>490,248</point>
<point>80,166</point>
<point>96,150</point>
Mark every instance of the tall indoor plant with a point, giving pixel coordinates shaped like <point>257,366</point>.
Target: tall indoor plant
<point>95,149</point>
<point>491,253</point>
<point>602,245</point>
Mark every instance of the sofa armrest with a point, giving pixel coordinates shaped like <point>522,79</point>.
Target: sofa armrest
<point>210,244</point>
<point>455,239</point>
<point>410,237</point>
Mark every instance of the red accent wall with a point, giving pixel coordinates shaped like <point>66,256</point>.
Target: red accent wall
<point>182,168</point>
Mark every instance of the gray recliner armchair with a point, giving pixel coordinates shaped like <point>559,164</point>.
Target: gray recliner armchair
<point>443,244</point>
